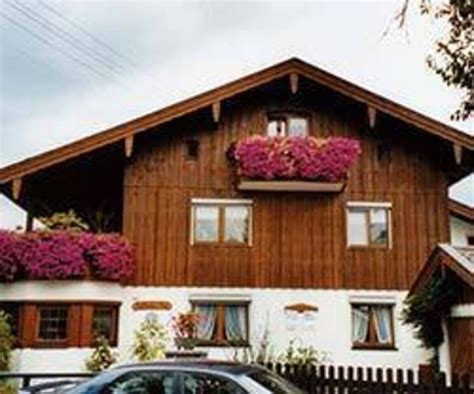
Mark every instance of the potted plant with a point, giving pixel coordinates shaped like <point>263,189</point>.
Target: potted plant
<point>185,326</point>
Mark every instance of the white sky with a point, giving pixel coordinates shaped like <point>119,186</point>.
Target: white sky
<point>171,50</point>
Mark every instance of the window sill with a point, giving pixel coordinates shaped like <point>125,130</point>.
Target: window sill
<point>220,245</point>
<point>369,247</point>
<point>375,347</point>
<point>203,343</point>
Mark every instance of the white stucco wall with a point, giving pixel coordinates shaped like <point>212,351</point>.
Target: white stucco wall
<point>329,330</point>
<point>460,230</point>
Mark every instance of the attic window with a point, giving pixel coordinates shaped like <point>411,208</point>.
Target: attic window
<point>287,125</point>
<point>192,149</point>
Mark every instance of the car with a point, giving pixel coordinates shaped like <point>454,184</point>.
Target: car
<point>54,387</point>
<point>187,377</point>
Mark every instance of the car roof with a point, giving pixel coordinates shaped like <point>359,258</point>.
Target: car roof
<point>228,367</point>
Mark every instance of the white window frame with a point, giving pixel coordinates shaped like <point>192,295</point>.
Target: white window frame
<point>367,205</point>
<point>218,202</point>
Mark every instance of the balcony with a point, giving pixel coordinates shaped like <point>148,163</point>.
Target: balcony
<point>293,164</point>
<point>64,255</point>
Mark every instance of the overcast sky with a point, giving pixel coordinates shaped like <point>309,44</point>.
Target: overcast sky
<point>72,68</point>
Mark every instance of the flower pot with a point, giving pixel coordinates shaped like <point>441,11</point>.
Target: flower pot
<point>185,343</point>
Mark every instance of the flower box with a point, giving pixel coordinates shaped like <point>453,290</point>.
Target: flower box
<point>292,186</point>
<point>302,164</point>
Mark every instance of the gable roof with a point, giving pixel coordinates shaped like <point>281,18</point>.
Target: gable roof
<point>283,69</point>
<point>461,211</point>
<point>459,260</point>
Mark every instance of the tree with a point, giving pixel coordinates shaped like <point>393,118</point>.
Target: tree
<point>453,57</point>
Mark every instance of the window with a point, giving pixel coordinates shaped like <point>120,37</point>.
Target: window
<point>104,322</point>
<point>40,324</point>
<point>224,323</point>
<point>145,382</point>
<point>372,326</point>
<point>200,383</point>
<point>221,221</point>
<point>470,240</point>
<point>192,149</point>
<point>287,125</point>
<point>53,323</point>
<point>368,224</point>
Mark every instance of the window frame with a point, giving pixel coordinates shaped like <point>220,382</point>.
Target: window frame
<point>220,305</point>
<point>285,116</point>
<point>79,322</point>
<point>221,205</point>
<point>366,208</point>
<point>113,337</point>
<point>372,344</point>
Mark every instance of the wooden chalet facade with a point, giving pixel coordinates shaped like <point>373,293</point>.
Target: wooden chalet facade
<point>154,176</point>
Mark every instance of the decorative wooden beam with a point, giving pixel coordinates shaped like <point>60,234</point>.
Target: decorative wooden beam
<point>16,188</point>
<point>294,83</point>
<point>129,146</point>
<point>372,115</point>
<point>457,153</point>
<point>216,111</point>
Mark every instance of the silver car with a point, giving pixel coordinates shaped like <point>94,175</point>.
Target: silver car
<point>187,377</point>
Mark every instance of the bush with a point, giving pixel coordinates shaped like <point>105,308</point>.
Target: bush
<point>102,357</point>
<point>303,355</point>
<point>150,341</point>
<point>6,342</point>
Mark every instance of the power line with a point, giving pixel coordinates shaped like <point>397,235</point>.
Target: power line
<point>56,47</point>
<point>94,38</point>
<point>62,34</point>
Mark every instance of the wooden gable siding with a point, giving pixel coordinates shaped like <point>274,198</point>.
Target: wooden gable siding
<point>461,344</point>
<point>299,240</point>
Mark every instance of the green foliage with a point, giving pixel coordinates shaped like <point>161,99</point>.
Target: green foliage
<point>425,311</point>
<point>64,221</point>
<point>6,342</point>
<point>262,353</point>
<point>150,341</point>
<point>102,357</point>
<point>302,355</point>
<point>453,59</point>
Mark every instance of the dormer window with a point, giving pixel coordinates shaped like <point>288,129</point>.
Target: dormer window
<point>287,125</point>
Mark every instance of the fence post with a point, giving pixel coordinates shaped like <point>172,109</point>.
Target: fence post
<point>389,386</point>
<point>350,379</point>
<point>410,382</point>
<point>26,381</point>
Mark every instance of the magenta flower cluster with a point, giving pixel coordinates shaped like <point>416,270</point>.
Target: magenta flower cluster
<point>305,158</point>
<point>64,255</point>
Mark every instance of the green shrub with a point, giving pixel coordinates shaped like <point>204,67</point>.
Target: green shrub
<point>6,342</point>
<point>150,341</point>
<point>102,357</point>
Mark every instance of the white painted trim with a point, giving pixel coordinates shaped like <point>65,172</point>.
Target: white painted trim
<point>462,310</point>
<point>220,297</point>
<point>224,201</point>
<point>372,299</point>
<point>458,256</point>
<point>368,204</point>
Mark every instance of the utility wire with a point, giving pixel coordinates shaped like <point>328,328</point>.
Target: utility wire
<point>97,40</point>
<point>49,43</point>
<point>61,34</point>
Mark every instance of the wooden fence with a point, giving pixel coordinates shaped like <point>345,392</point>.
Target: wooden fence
<point>345,380</point>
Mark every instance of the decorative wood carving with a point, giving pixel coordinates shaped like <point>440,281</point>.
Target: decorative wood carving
<point>301,308</point>
<point>152,305</point>
<point>129,146</point>
<point>294,82</point>
<point>372,115</point>
<point>16,188</point>
<point>216,111</point>
<point>457,153</point>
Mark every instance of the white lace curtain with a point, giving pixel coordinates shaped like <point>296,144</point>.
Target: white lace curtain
<point>207,321</point>
<point>360,323</point>
<point>235,323</point>
<point>383,323</point>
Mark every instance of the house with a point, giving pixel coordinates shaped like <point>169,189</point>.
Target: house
<point>461,223</point>
<point>324,264</point>
<point>454,266</point>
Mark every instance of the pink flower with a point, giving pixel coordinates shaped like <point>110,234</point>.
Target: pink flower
<point>307,158</point>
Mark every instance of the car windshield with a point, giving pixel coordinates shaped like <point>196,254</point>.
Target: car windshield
<point>273,383</point>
